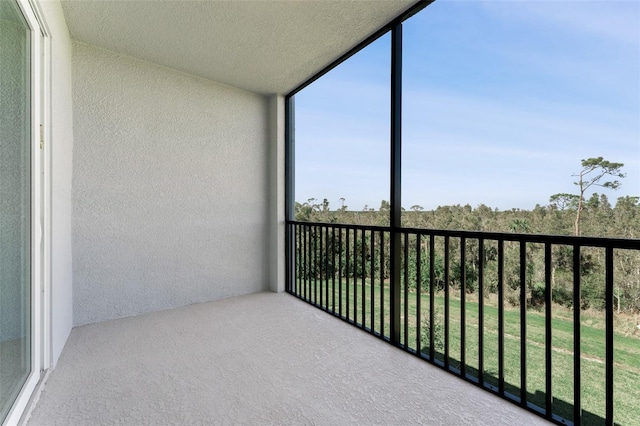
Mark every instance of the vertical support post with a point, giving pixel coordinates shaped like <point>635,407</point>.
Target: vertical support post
<point>306,261</point>
<point>481,312</point>
<point>548,327</point>
<point>355,276</point>
<point>501,317</point>
<point>382,283</point>
<point>523,323</point>
<point>348,260</point>
<point>418,293</point>
<point>326,269</point>
<point>363,268</point>
<point>372,281</point>
<point>333,270</point>
<point>292,286</point>
<point>432,305</point>
<point>396,168</point>
<point>314,265</point>
<point>463,307</point>
<point>577,386</point>
<point>340,273</point>
<point>447,307</point>
<point>289,190</point>
<point>609,335</point>
<point>405,285</point>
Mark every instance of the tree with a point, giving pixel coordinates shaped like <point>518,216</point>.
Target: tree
<point>593,170</point>
<point>563,200</point>
<point>343,208</point>
<point>520,226</point>
<point>594,201</point>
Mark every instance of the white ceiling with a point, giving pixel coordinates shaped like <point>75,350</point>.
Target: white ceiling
<point>265,46</point>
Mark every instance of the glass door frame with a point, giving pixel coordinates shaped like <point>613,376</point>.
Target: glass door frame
<point>40,303</point>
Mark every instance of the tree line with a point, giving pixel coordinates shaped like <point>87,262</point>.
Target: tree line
<point>565,214</point>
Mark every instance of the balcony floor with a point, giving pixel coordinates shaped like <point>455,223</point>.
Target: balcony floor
<point>263,358</point>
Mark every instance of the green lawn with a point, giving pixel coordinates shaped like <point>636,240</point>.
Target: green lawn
<point>627,349</point>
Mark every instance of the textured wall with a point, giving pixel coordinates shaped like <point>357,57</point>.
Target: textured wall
<point>14,178</point>
<point>61,170</point>
<point>170,179</point>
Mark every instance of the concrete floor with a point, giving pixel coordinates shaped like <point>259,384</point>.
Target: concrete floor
<point>259,359</point>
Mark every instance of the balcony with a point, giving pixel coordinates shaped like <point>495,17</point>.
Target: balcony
<point>263,358</point>
<point>155,271</point>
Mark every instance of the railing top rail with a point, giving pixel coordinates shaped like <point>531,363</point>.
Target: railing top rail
<point>617,243</point>
<point>342,225</point>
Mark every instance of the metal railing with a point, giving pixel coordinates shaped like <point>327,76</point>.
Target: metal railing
<point>476,304</point>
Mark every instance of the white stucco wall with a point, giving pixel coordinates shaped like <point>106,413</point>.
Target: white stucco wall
<point>61,140</point>
<point>170,188</point>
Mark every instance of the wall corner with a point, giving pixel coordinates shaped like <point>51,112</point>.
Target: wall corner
<point>277,245</point>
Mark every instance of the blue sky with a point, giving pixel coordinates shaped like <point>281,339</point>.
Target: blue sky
<point>501,101</point>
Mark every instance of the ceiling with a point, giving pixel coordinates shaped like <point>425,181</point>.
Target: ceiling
<point>264,46</point>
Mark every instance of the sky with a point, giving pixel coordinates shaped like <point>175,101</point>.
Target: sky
<point>501,102</point>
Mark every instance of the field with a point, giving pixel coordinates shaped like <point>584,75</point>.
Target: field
<point>626,348</point>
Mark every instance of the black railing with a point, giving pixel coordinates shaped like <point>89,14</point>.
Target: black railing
<point>476,304</point>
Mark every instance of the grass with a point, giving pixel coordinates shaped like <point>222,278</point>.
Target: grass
<point>626,356</point>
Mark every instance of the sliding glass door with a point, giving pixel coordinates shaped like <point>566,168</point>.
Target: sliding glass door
<point>15,204</point>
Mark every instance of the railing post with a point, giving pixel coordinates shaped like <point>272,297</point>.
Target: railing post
<point>548,326</point>
<point>447,307</point>
<point>609,335</point>
<point>463,307</point>
<point>523,323</point>
<point>501,317</point>
<point>577,384</point>
<point>481,255</point>
<point>396,165</point>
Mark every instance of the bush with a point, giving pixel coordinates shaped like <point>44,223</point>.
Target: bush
<point>438,332</point>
